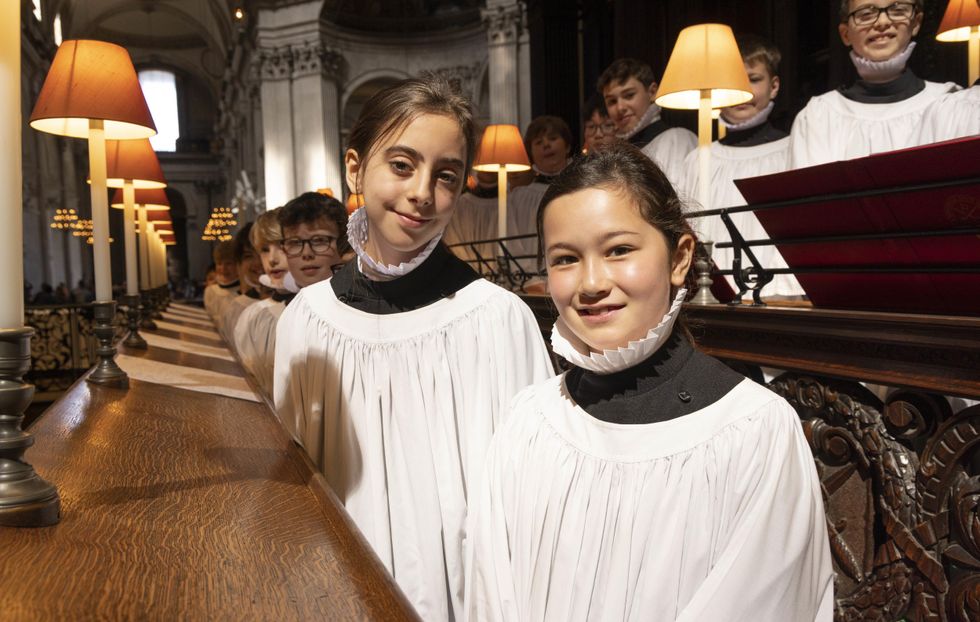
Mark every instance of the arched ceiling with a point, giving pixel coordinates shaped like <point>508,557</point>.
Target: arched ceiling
<point>402,16</point>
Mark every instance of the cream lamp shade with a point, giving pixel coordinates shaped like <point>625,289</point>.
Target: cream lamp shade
<point>502,147</point>
<point>133,160</point>
<point>92,80</point>
<point>705,58</point>
<point>961,22</point>
<point>150,198</point>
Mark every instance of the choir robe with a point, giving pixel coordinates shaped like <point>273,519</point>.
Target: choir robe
<point>397,411</point>
<point>954,115</point>
<point>475,218</point>
<point>731,161</point>
<point>230,312</point>
<point>216,297</point>
<point>667,147</point>
<point>522,218</point>
<point>255,340</point>
<point>834,127</point>
<point>713,515</point>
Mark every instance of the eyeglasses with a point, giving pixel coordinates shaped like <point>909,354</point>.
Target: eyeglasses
<point>607,128</point>
<point>319,244</point>
<point>897,12</point>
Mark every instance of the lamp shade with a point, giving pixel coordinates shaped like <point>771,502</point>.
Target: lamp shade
<point>134,160</point>
<point>92,80</point>
<point>502,147</point>
<point>157,215</point>
<point>959,17</point>
<point>705,62</point>
<point>150,198</point>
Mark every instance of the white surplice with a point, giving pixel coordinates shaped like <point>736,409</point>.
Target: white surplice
<point>668,151</point>
<point>230,312</point>
<point>522,218</point>
<point>728,164</point>
<point>475,218</point>
<point>716,515</point>
<point>832,128</point>
<point>398,410</point>
<point>215,298</point>
<point>954,115</point>
<point>255,340</point>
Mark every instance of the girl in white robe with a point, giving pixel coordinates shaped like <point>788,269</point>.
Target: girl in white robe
<point>649,482</point>
<point>881,111</point>
<point>394,373</point>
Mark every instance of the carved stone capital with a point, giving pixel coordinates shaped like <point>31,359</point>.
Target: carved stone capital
<point>463,77</point>
<point>313,58</point>
<point>274,63</point>
<point>503,23</point>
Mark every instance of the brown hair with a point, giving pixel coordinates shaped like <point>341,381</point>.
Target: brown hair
<point>845,8</point>
<point>266,230</point>
<point>312,207</point>
<point>223,251</point>
<point>757,49</point>
<point>396,106</point>
<point>543,125</point>
<point>624,169</point>
<point>622,70</point>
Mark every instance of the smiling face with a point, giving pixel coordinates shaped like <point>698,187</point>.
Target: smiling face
<point>410,182</point>
<point>308,267</point>
<point>611,280</point>
<point>764,89</point>
<point>627,102</point>
<point>549,152</point>
<point>274,262</point>
<point>882,40</point>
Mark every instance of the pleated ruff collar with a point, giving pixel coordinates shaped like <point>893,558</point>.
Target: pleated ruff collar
<point>882,70</point>
<point>288,283</point>
<point>755,121</point>
<point>566,345</point>
<point>652,115</point>
<point>357,233</point>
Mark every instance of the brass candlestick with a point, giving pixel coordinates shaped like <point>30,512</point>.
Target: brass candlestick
<point>133,339</point>
<point>702,267</point>
<point>26,500</point>
<point>106,372</point>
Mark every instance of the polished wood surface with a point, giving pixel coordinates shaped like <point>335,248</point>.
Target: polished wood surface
<point>186,359</point>
<point>184,505</point>
<point>192,338</point>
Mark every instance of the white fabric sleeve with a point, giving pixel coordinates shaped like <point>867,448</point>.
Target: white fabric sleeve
<point>288,367</point>
<point>776,563</point>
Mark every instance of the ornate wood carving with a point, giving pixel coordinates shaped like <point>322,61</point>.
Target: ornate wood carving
<point>902,496</point>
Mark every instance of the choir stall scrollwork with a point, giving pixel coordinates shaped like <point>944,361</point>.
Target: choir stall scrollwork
<point>901,484</point>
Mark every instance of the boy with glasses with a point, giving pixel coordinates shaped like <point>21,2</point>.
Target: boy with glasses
<point>881,111</point>
<point>597,128</point>
<point>751,147</point>
<point>314,232</point>
<point>628,88</point>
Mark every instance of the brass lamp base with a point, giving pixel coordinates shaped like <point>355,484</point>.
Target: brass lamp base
<point>107,372</point>
<point>26,500</point>
<point>146,320</point>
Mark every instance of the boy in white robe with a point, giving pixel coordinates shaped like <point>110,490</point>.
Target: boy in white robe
<point>225,287</point>
<point>249,269</point>
<point>628,87</point>
<point>882,110</point>
<point>475,219</point>
<point>751,147</point>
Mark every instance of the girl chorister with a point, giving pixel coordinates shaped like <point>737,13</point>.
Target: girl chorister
<point>394,373</point>
<point>649,482</point>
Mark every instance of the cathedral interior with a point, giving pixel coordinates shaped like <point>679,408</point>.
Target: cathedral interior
<point>177,502</point>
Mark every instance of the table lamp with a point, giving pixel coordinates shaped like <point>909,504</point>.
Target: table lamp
<point>705,71</point>
<point>132,165</point>
<point>92,92</point>
<point>151,204</point>
<point>961,22</point>
<point>502,151</point>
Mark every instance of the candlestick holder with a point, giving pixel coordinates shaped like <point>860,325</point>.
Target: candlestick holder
<point>157,298</point>
<point>106,372</point>
<point>146,319</point>
<point>133,339</point>
<point>702,267</point>
<point>26,500</point>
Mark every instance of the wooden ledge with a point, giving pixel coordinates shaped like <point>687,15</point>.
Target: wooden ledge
<point>184,505</point>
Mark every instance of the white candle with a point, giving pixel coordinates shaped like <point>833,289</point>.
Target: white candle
<point>501,202</point>
<point>704,149</point>
<point>100,211</point>
<point>144,252</point>
<point>129,232</point>
<point>151,257</point>
<point>11,233</point>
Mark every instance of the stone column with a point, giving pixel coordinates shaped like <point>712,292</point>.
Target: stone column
<point>316,117</point>
<point>504,23</point>
<point>277,125</point>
